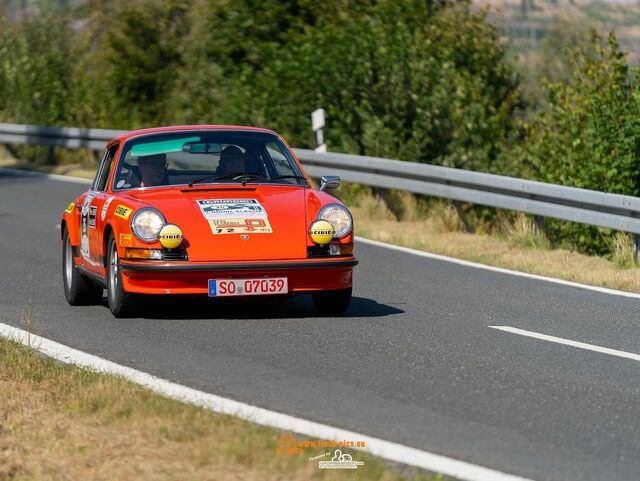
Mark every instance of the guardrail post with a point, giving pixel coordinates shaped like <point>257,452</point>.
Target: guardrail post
<point>51,155</point>
<point>636,248</point>
<point>12,152</point>
<point>463,217</point>
<point>538,222</point>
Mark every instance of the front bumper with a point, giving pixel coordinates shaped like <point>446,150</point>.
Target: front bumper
<point>306,275</point>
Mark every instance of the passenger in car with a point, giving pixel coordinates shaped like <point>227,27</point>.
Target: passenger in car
<point>231,162</point>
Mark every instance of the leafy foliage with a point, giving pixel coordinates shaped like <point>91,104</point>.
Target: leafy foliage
<point>397,79</point>
<point>36,68</point>
<point>589,136</point>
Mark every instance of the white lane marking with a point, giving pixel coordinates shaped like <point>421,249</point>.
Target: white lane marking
<point>476,265</point>
<point>568,342</point>
<point>378,447</point>
<point>62,178</point>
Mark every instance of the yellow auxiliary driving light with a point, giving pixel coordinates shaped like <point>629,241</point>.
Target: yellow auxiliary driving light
<point>170,236</point>
<point>321,232</point>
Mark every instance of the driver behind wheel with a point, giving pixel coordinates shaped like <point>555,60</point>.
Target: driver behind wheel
<point>232,162</point>
<point>153,170</point>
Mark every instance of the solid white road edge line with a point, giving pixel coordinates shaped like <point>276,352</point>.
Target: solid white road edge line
<point>378,447</point>
<point>568,342</point>
<point>476,265</point>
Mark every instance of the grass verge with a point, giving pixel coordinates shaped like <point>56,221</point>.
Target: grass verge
<point>60,422</point>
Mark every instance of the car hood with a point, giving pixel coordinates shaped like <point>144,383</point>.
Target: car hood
<point>253,222</point>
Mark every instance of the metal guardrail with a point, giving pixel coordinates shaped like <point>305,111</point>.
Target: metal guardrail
<point>615,211</point>
<point>69,137</point>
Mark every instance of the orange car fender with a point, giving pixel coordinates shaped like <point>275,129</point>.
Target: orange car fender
<point>71,222</point>
<point>121,230</point>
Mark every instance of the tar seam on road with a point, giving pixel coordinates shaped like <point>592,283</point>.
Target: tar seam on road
<point>378,447</point>
<point>568,342</point>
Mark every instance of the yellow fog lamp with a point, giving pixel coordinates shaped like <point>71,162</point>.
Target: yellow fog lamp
<point>321,232</point>
<point>170,236</point>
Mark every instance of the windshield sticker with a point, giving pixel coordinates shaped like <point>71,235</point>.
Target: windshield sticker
<point>217,209</point>
<point>240,226</point>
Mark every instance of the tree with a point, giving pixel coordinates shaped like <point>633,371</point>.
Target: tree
<point>36,68</point>
<point>407,80</point>
<point>132,59</point>
<point>589,134</point>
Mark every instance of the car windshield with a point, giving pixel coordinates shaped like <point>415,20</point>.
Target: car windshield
<point>205,156</point>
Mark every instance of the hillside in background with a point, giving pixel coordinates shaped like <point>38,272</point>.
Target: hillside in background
<point>527,23</point>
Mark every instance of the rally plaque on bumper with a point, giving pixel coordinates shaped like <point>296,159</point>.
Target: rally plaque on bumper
<point>262,286</point>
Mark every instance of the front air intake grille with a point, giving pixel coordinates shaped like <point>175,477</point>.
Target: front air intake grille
<point>174,255</point>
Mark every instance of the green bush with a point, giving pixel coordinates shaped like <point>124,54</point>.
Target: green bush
<point>399,79</point>
<point>589,135</point>
<point>37,82</point>
<point>36,69</point>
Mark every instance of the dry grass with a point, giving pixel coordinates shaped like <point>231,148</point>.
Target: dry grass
<point>75,170</point>
<point>59,422</point>
<point>623,250</point>
<point>516,245</point>
<point>523,232</point>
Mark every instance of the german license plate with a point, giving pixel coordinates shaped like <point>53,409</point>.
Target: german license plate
<point>262,286</point>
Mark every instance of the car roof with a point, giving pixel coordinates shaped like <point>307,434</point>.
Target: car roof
<point>178,128</point>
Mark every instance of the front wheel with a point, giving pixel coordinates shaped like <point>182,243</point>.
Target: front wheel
<point>332,302</point>
<point>78,290</point>
<point>121,303</point>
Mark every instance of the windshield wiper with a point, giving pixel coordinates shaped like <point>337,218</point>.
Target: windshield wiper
<point>234,176</point>
<point>200,179</point>
<point>277,177</point>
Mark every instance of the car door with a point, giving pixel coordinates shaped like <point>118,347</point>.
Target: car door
<point>93,213</point>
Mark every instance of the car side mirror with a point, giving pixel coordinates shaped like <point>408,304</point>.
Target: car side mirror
<point>329,182</point>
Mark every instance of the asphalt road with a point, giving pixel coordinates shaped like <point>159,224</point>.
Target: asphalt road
<point>413,360</point>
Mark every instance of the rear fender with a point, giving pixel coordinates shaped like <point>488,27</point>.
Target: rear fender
<point>71,221</point>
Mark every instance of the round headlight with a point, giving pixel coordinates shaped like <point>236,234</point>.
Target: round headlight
<point>339,217</point>
<point>146,224</point>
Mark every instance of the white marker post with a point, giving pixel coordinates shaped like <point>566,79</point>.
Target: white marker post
<point>317,124</point>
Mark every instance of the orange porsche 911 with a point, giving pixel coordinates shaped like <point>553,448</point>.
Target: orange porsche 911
<point>212,210</point>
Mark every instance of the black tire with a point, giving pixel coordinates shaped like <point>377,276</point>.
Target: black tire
<point>78,290</point>
<point>332,302</point>
<point>121,303</point>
